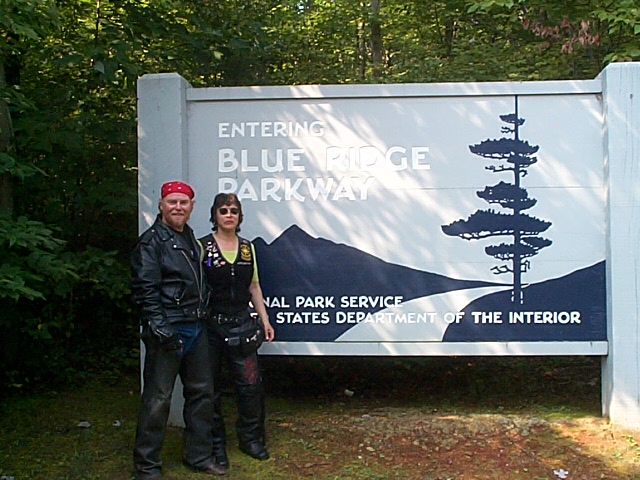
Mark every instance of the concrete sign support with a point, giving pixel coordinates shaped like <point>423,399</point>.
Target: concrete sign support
<point>620,368</point>
<point>423,219</point>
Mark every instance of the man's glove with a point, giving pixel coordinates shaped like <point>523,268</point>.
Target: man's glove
<point>171,343</point>
<point>169,339</point>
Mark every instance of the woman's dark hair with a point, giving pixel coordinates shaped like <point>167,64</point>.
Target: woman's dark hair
<point>222,199</point>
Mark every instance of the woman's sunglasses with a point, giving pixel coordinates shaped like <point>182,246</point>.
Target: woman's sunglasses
<point>225,210</point>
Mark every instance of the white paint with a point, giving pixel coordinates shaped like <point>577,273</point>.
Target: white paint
<point>436,349</point>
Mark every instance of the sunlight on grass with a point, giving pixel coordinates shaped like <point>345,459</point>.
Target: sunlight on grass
<point>614,446</point>
<point>413,420</point>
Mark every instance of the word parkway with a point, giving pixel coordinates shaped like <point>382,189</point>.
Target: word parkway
<point>286,189</point>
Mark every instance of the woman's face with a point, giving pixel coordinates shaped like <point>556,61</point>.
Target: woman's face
<point>227,217</point>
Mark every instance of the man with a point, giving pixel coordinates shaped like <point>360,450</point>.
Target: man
<point>169,288</point>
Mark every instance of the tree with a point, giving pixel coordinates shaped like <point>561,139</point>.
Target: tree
<point>20,22</point>
<point>518,156</point>
<point>73,102</point>
<point>68,73</point>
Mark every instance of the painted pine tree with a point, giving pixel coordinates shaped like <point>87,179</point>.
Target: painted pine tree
<point>515,157</point>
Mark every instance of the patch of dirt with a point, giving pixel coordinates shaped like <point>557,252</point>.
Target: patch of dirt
<point>539,423</point>
<point>428,444</point>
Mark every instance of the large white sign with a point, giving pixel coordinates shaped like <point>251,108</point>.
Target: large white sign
<point>441,219</point>
<point>415,219</point>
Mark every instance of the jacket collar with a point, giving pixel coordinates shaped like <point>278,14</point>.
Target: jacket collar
<point>166,232</point>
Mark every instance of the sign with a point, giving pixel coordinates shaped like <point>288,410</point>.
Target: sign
<point>416,218</point>
<point>439,219</point>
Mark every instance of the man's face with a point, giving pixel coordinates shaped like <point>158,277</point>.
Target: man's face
<point>175,210</point>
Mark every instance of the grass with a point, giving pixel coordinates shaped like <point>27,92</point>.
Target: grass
<point>41,439</point>
<point>318,431</point>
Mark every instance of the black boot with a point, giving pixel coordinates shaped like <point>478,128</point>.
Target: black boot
<point>250,423</point>
<point>220,456</point>
<point>255,449</point>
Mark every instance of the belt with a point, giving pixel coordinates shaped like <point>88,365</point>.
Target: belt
<point>221,319</point>
<point>186,312</point>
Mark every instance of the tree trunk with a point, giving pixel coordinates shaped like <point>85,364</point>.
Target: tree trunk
<point>376,39</point>
<point>6,134</point>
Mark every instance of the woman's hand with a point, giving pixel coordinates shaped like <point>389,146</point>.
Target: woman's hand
<point>269,332</point>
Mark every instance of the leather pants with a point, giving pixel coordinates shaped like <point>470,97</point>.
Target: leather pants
<point>160,371</point>
<point>247,380</point>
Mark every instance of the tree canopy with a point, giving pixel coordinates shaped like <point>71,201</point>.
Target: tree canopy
<point>68,153</point>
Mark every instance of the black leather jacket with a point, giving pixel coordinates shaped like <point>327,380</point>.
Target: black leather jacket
<point>167,279</point>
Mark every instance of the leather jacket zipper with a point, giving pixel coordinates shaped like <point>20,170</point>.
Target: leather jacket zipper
<point>195,275</point>
<point>233,283</point>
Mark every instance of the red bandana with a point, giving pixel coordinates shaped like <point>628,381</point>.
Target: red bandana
<point>176,187</point>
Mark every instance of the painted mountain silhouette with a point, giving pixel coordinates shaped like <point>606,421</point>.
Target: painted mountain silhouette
<point>299,265</point>
<point>582,291</point>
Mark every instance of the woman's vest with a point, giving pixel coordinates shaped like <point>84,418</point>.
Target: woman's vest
<point>229,282</point>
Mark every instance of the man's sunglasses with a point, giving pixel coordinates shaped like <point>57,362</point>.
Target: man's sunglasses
<point>225,210</point>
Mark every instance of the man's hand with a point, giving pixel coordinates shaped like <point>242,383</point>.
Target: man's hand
<point>171,343</point>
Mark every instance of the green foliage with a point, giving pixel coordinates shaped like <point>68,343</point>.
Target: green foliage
<point>318,42</point>
<point>32,261</point>
<point>9,165</point>
<point>34,272</point>
<point>452,40</point>
<point>62,311</point>
<point>68,77</point>
<point>25,19</point>
<point>621,22</point>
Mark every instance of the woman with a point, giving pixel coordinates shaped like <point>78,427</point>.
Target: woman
<point>232,272</point>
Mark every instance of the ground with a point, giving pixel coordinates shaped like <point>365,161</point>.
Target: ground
<point>455,419</point>
<point>352,418</point>
<point>414,443</point>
